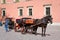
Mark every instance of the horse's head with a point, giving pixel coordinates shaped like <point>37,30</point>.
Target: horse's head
<point>49,19</point>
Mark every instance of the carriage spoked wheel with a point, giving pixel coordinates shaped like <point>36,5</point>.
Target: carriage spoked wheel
<point>23,30</point>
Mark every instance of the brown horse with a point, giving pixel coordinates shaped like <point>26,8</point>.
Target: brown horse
<point>42,23</point>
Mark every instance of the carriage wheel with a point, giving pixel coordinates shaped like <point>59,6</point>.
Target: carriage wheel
<point>23,30</point>
<point>16,28</point>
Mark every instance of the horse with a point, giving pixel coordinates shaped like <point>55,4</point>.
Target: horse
<point>42,23</point>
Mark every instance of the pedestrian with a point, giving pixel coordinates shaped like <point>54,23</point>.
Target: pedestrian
<point>6,24</point>
<point>0,23</point>
<point>11,24</point>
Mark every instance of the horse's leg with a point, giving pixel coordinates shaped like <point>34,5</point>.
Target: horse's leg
<point>45,30</point>
<point>35,30</point>
<point>42,31</point>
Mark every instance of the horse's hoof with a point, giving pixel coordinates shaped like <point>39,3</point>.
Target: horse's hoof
<point>43,35</point>
<point>35,33</point>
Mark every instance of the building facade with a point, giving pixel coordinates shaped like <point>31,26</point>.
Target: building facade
<point>31,8</point>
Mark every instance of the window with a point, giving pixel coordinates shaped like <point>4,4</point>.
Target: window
<point>20,11</point>
<point>16,0</point>
<point>3,12</point>
<point>28,0</point>
<point>30,11</point>
<point>3,1</point>
<point>47,10</point>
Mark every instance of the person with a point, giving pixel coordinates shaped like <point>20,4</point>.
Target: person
<point>11,24</point>
<point>6,24</point>
<point>0,23</point>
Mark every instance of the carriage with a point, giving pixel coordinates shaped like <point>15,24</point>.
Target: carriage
<point>28,23</point>
<point>23,23</point>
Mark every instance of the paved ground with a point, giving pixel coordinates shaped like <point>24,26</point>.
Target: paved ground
<point>52,33</point>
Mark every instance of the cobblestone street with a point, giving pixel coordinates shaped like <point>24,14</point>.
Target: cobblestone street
<point>52,33</point>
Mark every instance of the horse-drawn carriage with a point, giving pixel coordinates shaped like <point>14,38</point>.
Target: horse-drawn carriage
<point>28,23</point>
<point>23,23</point>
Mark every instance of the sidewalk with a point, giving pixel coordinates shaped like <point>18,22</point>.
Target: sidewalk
<point>52,33</point>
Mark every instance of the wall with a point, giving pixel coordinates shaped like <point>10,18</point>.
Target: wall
<point>38,9</point>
